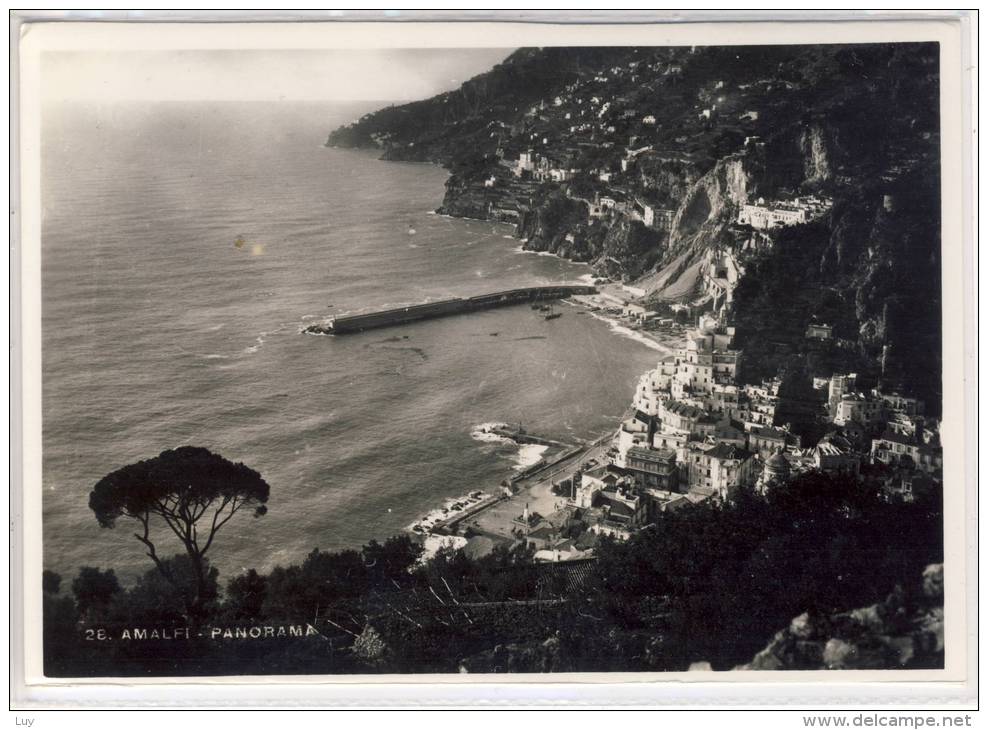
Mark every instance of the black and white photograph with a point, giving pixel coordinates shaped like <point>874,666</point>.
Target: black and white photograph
<point>471,359</point>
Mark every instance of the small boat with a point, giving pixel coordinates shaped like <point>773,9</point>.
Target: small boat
<point>552,314</point>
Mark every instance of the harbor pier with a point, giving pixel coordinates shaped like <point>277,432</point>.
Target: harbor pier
<point>350,324</point>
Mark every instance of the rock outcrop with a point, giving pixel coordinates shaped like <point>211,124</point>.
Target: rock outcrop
<point>541,656</point>
<point>903,632</point>
<point>466,199</point>
<point>710,204</point>
<point>816,165</point>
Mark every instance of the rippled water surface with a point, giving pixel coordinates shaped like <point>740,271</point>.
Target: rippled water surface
<point>186,245</point>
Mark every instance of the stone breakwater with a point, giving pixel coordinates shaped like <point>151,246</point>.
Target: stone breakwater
<point>413,313</point>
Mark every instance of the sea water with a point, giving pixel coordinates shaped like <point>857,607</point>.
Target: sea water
<point>184,248</point>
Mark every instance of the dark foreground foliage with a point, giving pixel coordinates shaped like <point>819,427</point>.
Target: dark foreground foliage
<point>705,583</point>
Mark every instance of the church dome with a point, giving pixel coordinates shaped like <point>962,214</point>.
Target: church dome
<point>777,464</point>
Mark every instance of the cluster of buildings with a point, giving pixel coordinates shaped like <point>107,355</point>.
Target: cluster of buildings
<point>696,434</point>
<point>763,215</point>
<point>562,137</point>
<point>889,430</point>
<point>531,165</point>
<point>619,202</point>
<point>720,272</point>
<point>652,216</point>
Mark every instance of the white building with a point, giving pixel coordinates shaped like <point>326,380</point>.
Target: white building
<point>592,483</point>
<point>632,433</point>
<point>762,215</point>
<point>815,331</point>
<point>900,403</point>
<point>765,217</point>
<point>526,163</point>
<point>722,468</point>
<point>654,386</point>
<point>858,408</point>
<point>839,385</point>
<point>648,215</point>
<point>706,359</point>
<point>897,450</point>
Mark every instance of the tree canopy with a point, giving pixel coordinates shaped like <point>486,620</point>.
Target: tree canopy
<point>193,491</point>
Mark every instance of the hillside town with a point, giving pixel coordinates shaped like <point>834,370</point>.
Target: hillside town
<point>604,142</point>
<point>598,173</point>
<point>696,434</point>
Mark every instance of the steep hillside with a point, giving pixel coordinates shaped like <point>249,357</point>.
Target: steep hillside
<point>455,126</point>
<point>638,160</point>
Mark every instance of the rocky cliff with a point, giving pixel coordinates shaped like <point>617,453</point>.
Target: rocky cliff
<point>710,205</point>
<point>637,160</point>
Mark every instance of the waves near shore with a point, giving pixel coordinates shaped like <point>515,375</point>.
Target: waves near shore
<point>526,455</point>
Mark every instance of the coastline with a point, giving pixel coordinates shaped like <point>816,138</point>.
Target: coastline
<point>475,500</point>
<point>493,515</point>
<point>311,398</point>
<point>621,328</point>
<point>525,488</point>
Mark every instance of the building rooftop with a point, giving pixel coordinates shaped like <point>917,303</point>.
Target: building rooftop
<point>767,432</point>
<point>633,426</point>
<point>619,508</point>
<point>653,455</point>
<point>828,448</point>
<point>564,575</point>
<point>662,494</point>
<point>543,533</point>
<point>777,461</point>
<point>728,451</point>
<point>879,393</point>
<point>726,431</point>
<point>898,438</point>
<point>834,443</point>
<point>643,417</point>
<point>602,473</point>
<point>683,409</point>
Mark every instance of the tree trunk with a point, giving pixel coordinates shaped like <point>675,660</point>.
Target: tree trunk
<point>197,608</point>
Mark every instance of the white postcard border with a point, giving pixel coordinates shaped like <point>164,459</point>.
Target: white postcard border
<point>959,348</point>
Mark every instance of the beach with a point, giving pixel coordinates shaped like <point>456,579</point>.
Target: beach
<point>498,515</point>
